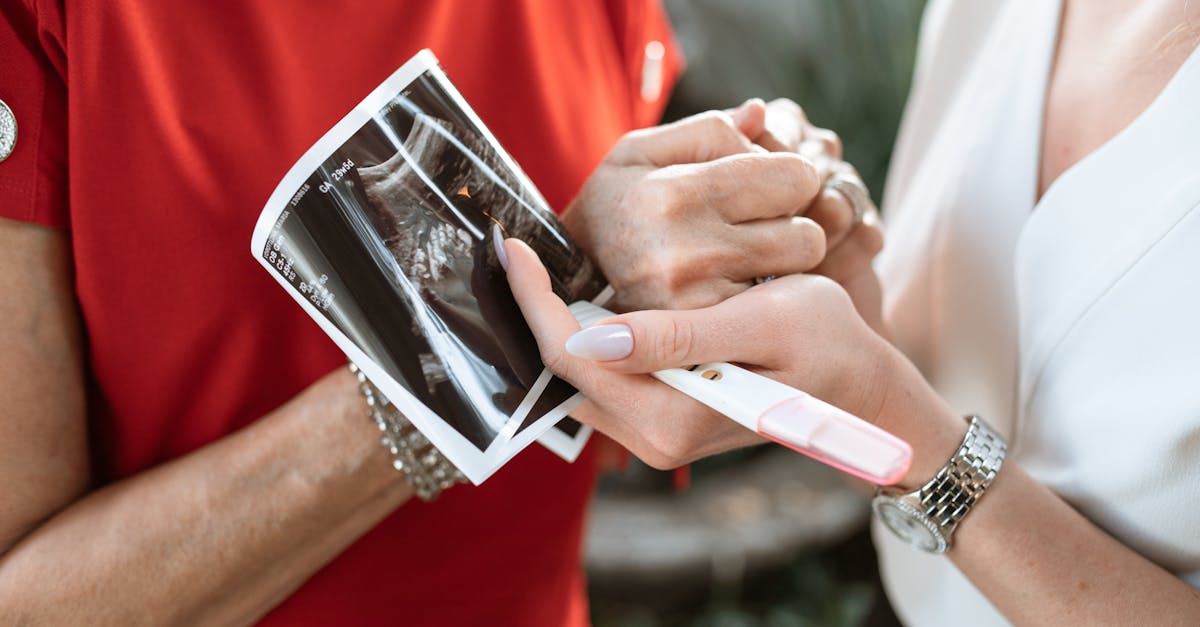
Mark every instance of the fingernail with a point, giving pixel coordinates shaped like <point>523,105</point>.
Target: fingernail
<point>604,342</point>
<point>498,242</point>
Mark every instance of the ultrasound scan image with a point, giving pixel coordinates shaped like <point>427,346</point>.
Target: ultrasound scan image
<point>397,229</point>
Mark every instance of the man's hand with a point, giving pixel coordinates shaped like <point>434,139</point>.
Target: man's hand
<point>688,214</point>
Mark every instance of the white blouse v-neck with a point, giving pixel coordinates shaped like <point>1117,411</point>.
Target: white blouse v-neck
<point>1073,328</point>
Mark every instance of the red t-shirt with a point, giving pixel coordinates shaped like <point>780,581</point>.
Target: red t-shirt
<point>154,132</point>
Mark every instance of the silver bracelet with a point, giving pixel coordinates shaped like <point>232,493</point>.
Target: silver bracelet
<point>423,465</point>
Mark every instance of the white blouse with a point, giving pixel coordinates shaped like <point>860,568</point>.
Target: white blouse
<point>1071,324</point>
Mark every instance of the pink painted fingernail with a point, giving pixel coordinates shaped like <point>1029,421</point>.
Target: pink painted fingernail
<point>604,342</point>
<point>498,241</point>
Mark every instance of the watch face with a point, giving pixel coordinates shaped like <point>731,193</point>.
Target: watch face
<point>910,525</point>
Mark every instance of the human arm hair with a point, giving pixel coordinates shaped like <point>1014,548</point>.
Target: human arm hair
<point>218,536</point>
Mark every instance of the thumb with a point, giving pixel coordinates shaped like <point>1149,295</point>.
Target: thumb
<point>646,341</point>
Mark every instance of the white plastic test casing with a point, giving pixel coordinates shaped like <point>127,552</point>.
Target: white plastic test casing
<point>785,415</point>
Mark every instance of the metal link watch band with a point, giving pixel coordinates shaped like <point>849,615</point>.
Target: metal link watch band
<point>948,497</point>
<point>927,517</point>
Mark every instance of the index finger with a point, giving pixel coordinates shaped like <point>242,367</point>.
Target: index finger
<point>747,187</point>
<point>696,139</point>
<point>728,331</point>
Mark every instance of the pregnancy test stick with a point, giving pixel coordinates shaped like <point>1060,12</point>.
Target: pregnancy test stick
<point>784,414</point>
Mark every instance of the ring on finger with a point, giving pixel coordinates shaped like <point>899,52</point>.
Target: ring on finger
<point>846,180</point>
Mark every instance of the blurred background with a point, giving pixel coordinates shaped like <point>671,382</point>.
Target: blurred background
<point>763,537</point>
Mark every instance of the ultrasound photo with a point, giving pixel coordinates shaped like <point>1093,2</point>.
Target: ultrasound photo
<point>383,231</point>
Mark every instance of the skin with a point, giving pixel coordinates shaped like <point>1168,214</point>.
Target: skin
<point>1036,559</point>
<point>675,252</point>
<point>671,222</point>
<point>1080,575</point>
<point>1116,52</point>
<point>244,521</point>
<point>225,533</point>
<point>256,513</point>
<point>782,126</point>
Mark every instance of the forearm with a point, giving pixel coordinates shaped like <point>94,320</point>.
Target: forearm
<point>1041,562</point>
<point>1031,554</point>
<point>1034,557</point>
<point>218,536</point>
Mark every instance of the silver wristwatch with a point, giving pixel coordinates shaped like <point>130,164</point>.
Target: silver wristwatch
<point>927,517</point>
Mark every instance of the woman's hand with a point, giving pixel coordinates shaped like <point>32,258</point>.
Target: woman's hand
<point>688,214</point>
<point>801,330</point>
<point>852,242</point>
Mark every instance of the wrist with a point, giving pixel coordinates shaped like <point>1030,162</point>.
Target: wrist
<point>332,446</point>
<point>907,406</point>
<point>424,467</point>
<point>368,455</point>
<point>927,517</point>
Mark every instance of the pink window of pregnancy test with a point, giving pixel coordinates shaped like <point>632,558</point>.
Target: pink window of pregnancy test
<point>819,430</point>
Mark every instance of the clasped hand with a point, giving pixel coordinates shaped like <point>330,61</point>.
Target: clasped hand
<point>688,214</point>
<point>796,329</point>
<point>682,218</point>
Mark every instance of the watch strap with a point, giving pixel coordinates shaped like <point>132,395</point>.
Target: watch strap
<point>952,492</point>
<point>944,501</point>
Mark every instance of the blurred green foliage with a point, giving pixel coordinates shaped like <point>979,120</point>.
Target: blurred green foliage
<point>847,62</point>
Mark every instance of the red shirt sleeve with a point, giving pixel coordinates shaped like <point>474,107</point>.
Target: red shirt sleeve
<point>33,178</point>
